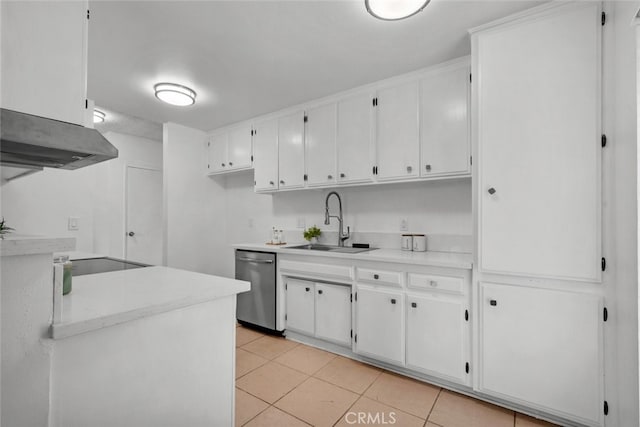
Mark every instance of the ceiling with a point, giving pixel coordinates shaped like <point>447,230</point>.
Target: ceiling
<point>247,58</point>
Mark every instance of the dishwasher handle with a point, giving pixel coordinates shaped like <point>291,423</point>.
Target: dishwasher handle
<point>257,261</point>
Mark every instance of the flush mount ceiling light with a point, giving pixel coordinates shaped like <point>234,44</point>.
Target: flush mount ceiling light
<point>98,116</point>
<point>394,10</point>
<point>175,94</point>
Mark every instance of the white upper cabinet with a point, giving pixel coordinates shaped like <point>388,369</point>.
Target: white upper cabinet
<point>239,147</point>
<point>217,160</point>
<point>354,138</point>
<point>320,142</point>
<point>44,58</point>
<point>536,86</point>
<point>265,155</point>
<point>444,130</point>
<point>397,145</point>
<point>291,151</point>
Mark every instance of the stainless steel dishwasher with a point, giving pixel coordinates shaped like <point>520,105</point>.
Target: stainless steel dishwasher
<point>258,306</point>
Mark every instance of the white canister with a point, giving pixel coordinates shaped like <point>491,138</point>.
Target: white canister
<point>419,242</point>
<point>407,242</point>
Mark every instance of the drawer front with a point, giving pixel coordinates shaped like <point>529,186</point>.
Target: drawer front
<point>432,282</point>
<point>315,270</point>
<point>366,275</point>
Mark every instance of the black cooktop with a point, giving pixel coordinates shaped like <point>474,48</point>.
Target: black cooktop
<point>81,267</point>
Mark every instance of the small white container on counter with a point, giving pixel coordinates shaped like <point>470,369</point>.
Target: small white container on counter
<point>407,242</point>
<point>419,243</point>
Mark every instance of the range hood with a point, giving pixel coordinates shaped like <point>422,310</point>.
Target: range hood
<point>29,143</point>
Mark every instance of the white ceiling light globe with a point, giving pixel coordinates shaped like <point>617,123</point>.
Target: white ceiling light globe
<point>175,94</point>
<point>393,10</point>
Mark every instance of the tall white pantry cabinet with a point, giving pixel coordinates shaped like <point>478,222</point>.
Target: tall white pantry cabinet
<point>537,143</point>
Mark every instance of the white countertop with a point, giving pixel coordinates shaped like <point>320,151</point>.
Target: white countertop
<point>100,300</point>
<point>22,244</point>
<point>429,258</point>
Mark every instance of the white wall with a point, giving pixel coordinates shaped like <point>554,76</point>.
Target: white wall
<point>620,196</point>
<point>42,203</point>
<point>194,206</point>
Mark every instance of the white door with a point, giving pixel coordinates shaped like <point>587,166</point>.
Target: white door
<point>217,161</point>
<point>300,306</point>
<point>143,220</point>
<point>437,336</point>
<point>291,151</point>
<point>333,313</point>
<point>539,143</point>
<point>354,139</point>
<point>397,144</point>
<point>542,348</point>
<point>380,324</point>
<point>265,155</point>
<point>444,131</point>
<point>239,147</point>
<point>320,144</point>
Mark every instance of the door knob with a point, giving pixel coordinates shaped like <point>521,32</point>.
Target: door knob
<point>491,191</point>
<point>428,168</point>
<point>320,291</point>
<point>393,300</point>
<point>342,175</point>
<point>131,234</point>
<point>307,289</point>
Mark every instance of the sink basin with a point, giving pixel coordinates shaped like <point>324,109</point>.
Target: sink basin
<point>331,248</point>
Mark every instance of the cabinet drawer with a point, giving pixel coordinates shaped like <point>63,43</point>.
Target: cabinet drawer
<point>434,282</point>
<point>366,275</point>
<point>315,270</point>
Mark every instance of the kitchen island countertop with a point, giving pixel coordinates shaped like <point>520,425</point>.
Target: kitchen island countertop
<point>428,258</point>
<point>105,299</point>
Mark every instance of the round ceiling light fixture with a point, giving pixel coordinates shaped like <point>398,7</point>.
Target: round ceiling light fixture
<point>394,10</point>
<point>98,116</point>
<point>175,94</point>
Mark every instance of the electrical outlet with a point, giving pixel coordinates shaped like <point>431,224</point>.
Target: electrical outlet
<point>302,224</point>
<point>73,224</point>
<point>404,225</point>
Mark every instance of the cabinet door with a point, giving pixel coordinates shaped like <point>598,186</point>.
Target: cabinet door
<point>380,324</point>
<point>354,139</point>
<point>239,147</point>
<point>444,132</point>
<point>333,313</point>
<point>291,151</point>
<point>218,153</point>
<point>44,58</point>
<point>300,306</point>
<point>397,145</point>
<point>265,155</point>
<point>320,142</point>
<point>542,348</point>
<point>538,191</point>
<point>437,335</point>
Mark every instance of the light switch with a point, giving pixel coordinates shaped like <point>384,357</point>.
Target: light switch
<point>73,223</point>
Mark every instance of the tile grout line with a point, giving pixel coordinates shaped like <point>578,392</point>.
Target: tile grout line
<point>433,406</point>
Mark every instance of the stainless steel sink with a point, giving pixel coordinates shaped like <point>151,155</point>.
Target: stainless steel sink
<point>331,248</point>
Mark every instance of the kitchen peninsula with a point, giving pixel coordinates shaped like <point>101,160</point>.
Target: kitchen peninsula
<point>146,346</point>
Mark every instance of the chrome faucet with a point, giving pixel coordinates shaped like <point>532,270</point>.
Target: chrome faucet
<point>341,235</point>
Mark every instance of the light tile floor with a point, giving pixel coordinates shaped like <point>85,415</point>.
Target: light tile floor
<point>280,383</point>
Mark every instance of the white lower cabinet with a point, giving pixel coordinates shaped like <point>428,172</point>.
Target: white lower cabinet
<point>319,309</point>
<point>541,348</point>
<point>438,336</point>
<point>380,324</point>
<point>300,306</point>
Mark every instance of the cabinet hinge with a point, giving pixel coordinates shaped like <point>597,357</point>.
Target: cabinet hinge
<point>252,158</point>
<point>306,118</point>
<point>306,177</point>
<point>466,367</point>
<point>470,77</point>
<point>285,317</point>
<point>355,338</point>
<point>356,296</point>
<point>603,140</point>
<point>471,160</point>
<point>351,333</point>
<point>351,298</point>
<point>88,14</point>
<point>603,18</point>
<point>606,407</point>
<point>86,104</point>
<point>603,264</point>
<point>605,314</point>
<point>466,315</point>
<point>374,102</point>
<point>208,166</point>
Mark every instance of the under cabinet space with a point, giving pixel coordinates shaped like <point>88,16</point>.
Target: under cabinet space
<point>437,283</point>
<point>366,275</point>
